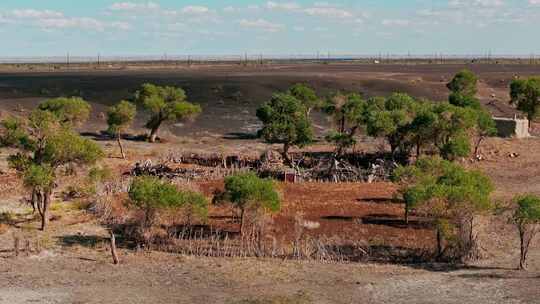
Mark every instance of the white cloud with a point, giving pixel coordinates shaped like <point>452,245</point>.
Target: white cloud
<point>477,3</point>
<point>124,26</point>
<point>395,22</point>
<point>328,12</point>
<point>192,9</point>
<point>31,13</point>
<point>64,23</point>
<point>286,6</point>
<point>261,24</point>
<point>534,2</point>
<point>132,6</point>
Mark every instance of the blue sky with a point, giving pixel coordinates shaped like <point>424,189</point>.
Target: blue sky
<point>85,28</point>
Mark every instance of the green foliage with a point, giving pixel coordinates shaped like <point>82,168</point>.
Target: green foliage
<point>152,194</point>
<point>164,104</point>
<point>67,146</point>
<point>464,101</point>
<point>249,191</point>
<point>391,118</point>
<point>348,114</point>
<point>528,209</point>
<point>442,189</point>
<point>120,117</point>
<point>73,110</point>
<point>285,121</point>
<point>99,174</point>
<point>485,123</point>
<point>464,83</point>
<point>306,96</point>
<point>525,95</point>
<point>39,177</point>
<point>13,133</point>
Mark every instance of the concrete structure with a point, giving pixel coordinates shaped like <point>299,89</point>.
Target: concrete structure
<point>512,127</point>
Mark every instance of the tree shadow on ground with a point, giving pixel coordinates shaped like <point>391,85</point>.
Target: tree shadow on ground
<point>509,274</point>
<point>89,241</point>
<point>240,136</point>
<point>105,136</point>
<point>395,221</point>
<point>379,200</point>
<point>17,220</point>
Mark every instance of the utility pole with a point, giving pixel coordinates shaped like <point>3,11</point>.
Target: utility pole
<point>67,60</point>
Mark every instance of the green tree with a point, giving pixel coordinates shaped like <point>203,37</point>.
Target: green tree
<point>348,115</point>
<point>119,118</point>
<point>45,144</point>
<point>391,118</point>
<point>525,95</point>
<point>73,110</point>
<point>285,122</point>
<point>527,219</point>
<point>164,104</point>
<point>451,130</point>
<point>247,192</point>
<point>463,88</point>
<point>485,127</point>
<point>447,193</point>
<point>306,96</point>
<point>464,101</point>
<point>464,83</point>
<point>152,195</point>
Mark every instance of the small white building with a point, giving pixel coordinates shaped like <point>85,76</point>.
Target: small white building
<point>512,127</point>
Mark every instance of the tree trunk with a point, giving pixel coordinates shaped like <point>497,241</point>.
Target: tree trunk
<point>406,214</point>
<point>154,130</point>
<point>114,254</point>
<point>523,250</point>
<point>33,200</point>
<point>120,146</point>
<point>477,146</point>
<point>286,147</point>
<point>439,243</point>
<point>242,222</point>
<point>45,211</point>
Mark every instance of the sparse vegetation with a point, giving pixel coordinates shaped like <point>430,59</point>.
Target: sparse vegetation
<point>527,219</point>
<point>449,194</point>
<point>285,121</point>
<point>250,194</point>
<point>525,95</point>
<point>45,145</point>
<point>74,110</point>
<point>164,104</point>
<point>152,195</point>
<point>119,118</point>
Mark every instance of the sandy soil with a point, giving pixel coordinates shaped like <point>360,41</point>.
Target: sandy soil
<point>70,263</point>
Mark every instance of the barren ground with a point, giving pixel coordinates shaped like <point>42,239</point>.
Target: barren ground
<point>70,263</point>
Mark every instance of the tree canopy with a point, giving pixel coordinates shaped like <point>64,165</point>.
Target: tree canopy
<point>249,192</point>
<point>347,112</point>
<point>525,95</point>
<point>164,104</point>
<point>152,194</point>
<point>45,143</point>
<point>72,110</point>
<point>285,122</point>
<point>306,96</point>
<point>527,219</point>
<point>119,118</point>
<point>464,83</point>
<point>444,191</point>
